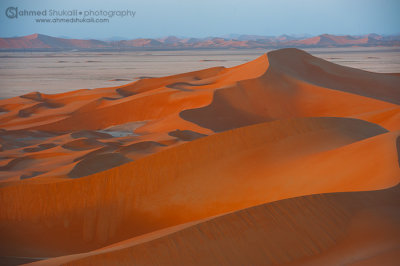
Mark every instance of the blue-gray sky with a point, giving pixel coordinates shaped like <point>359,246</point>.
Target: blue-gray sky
<point>202,18</point>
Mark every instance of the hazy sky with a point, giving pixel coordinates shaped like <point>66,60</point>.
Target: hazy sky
<point>157,18</point>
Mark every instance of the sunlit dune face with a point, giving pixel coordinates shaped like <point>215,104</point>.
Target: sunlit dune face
<point>202,161</point>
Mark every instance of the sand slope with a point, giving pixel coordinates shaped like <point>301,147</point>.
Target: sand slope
<point>85,169</point>
<point>297,84</point>
<point>216,174</point>
<point>305,67</point>
<point>321,229</point>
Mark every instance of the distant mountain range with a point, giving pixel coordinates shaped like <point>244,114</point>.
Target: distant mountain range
<point>45,42</point>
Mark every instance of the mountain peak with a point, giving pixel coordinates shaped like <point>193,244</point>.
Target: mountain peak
<point>35,36</point>
<point>32,36</point>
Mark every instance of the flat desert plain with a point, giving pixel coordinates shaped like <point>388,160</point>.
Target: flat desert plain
<point>56,72</point>
<point>279,158</point>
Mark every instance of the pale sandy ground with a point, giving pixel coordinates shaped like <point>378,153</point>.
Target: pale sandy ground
<point>21,73</point>
<point>222,166</point>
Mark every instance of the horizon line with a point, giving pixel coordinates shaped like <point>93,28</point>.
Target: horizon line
<point>224,36</point>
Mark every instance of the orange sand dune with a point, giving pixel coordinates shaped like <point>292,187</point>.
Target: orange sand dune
<point>146,99</point>
<point>303,66</point>
<point>293,84</point>
<point>86,169</point>
<point>215,174</point>
<point>321,229</point>
<point>293,87</point>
